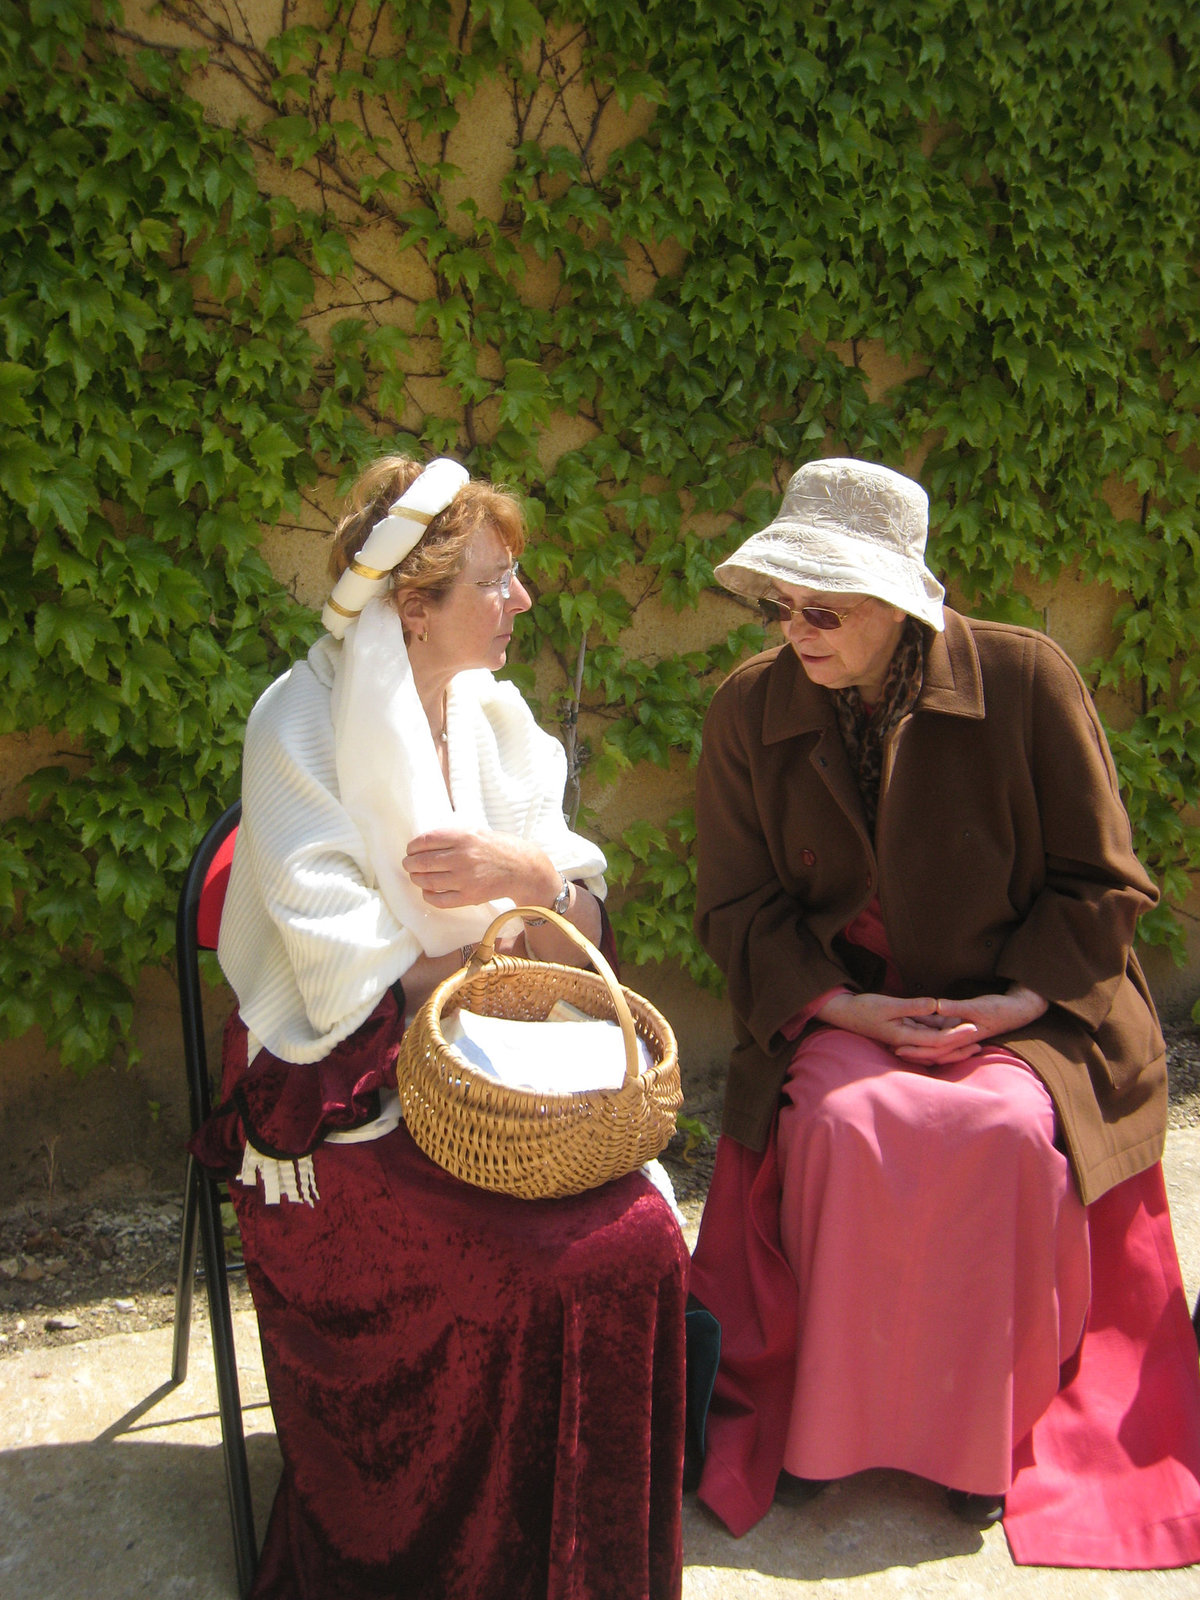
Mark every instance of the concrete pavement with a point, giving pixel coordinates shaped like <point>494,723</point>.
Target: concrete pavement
<point>111,1487</point>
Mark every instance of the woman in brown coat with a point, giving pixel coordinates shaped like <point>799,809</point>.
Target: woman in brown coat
<point>916,873</point>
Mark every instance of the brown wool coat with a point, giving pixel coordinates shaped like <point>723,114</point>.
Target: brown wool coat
<point>1002,854</point>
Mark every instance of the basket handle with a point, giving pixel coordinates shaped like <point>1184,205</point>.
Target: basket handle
<point>485,951</point>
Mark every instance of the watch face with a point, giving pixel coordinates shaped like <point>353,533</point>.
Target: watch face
<point>562,899</point>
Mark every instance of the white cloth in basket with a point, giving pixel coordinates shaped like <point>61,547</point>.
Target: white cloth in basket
<point>547,1057</point>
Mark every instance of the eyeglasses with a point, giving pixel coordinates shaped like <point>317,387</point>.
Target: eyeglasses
<point>773,608</point>
<point>503,583</point>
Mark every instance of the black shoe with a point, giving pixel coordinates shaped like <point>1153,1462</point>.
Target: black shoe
<point>792,1491</point>
<point>980,1510</point>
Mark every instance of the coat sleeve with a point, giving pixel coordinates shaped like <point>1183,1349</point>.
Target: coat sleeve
<point>1074,944</point>
<point>751,927</point>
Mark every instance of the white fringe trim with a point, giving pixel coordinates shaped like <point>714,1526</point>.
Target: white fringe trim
<point>294,1180</point>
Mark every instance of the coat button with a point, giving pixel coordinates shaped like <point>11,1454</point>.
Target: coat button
<point>808,857</point>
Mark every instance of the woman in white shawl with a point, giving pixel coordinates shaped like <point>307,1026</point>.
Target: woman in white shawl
<point>474,1395</point>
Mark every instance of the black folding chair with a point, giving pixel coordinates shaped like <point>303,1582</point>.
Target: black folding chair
<point>196,923</point>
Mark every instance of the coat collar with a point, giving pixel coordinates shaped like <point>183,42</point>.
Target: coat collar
<point>953,685</point>
<point>953,681</point>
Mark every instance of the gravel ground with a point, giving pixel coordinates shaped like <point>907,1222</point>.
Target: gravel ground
<point>73,1271</point>
<point>1183,1064</point>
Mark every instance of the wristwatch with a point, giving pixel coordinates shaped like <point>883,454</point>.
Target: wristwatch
<point>561,903</point>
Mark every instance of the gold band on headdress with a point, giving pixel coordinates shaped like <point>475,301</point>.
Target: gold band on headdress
<point>390,540</point>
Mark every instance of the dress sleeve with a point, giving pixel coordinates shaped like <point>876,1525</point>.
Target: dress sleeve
<point>285,1109</point>
<point>1073,946</point>
<point>753,929</point>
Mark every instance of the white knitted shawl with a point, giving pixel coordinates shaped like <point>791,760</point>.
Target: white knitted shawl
<point>320,917</point>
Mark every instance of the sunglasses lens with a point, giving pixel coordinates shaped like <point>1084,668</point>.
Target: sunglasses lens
<point>773,611</point>
<point>818,617</point>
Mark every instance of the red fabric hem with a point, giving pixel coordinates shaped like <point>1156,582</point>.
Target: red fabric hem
<point>723,1492</point>
<point>1156,1547</point>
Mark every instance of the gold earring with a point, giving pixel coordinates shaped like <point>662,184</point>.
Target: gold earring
<point>421,637</point>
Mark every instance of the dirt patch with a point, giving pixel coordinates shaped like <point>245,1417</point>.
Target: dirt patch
<point>79,1269</point>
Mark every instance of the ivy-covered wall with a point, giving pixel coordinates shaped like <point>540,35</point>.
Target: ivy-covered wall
<point>637,258</point>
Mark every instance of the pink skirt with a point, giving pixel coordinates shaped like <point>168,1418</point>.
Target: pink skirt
<point>970,1278</point>
<point>900,1279</point>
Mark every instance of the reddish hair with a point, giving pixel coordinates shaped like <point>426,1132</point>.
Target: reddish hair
<point>440,555</point>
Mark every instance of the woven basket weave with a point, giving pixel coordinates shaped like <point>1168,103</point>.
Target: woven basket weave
<point>517,1141</point>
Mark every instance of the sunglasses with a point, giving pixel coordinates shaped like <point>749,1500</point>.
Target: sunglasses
<point>774,609</point>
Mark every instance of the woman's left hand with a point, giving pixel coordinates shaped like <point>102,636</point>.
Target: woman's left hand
<point>986,1015</point>
<point>452,867</point>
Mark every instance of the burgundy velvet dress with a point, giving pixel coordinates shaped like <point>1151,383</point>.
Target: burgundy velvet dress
<point>475,1396</point>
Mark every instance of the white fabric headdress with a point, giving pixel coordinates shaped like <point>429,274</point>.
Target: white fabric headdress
<point>390,540</point>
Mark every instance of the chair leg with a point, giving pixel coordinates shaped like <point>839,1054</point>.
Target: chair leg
<point>187,1271</point>
<point>229,1401</point>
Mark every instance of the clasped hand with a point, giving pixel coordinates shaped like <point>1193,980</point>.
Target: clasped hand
<point>929,1031</point>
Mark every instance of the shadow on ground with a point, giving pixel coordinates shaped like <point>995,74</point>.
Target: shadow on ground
<point>95,1519</point>
<point>873,1522</point>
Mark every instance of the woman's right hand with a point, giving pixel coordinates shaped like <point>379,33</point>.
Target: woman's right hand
<point>422,978</point>
<point>915,1029</point>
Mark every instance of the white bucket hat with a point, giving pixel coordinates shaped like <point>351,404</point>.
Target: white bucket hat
<point>845,527</point>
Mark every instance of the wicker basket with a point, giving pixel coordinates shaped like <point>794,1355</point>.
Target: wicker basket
<point>517,1141</point>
